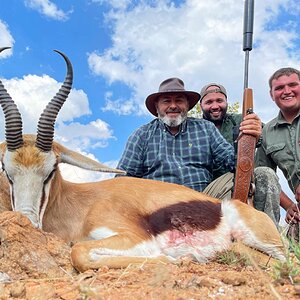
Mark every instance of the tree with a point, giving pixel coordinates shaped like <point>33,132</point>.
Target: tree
<point>196,111</point>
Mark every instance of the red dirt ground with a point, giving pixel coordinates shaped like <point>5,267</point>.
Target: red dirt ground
<point>36,265</point>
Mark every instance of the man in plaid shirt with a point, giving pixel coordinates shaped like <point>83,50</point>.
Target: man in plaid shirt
<point>180,149</point>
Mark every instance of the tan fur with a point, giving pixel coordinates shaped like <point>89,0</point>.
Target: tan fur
<point>263,227</point>
<point>29,156</point>
<point>119,204</point>
<point>5,203</point>
<point>253,255</point>
<point>102,204</point>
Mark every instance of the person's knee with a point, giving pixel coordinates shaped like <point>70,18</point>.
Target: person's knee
<point>266,175</point>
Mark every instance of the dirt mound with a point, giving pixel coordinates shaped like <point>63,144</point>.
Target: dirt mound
<point>36,265</point>
<point>27,252</point>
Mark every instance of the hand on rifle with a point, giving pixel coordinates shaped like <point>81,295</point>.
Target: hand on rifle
<point>251,124</point>
<point>297,194</point>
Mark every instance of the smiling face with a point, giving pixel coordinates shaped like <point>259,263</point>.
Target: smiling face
<point>214,106</point>
<point>285,91</point>
<point>172,109</point>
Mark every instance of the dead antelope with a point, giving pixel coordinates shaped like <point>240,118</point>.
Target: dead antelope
<point>122,220</point>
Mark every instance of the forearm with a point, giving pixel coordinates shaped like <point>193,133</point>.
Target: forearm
<point>291,207</point>
<point>285,201</point>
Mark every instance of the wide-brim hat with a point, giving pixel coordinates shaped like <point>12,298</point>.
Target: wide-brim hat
<point>171,85</point>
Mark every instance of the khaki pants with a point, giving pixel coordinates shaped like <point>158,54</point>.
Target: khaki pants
<point>221,187</point>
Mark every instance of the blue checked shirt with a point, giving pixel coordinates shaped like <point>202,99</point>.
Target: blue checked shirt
<point>186,158</point>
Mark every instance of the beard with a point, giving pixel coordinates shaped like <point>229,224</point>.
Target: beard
<point>173,122</point>
<point>215,119</point>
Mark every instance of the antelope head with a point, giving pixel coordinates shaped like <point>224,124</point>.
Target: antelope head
<point>31,162</point>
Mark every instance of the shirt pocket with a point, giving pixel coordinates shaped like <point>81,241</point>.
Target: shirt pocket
<point>279,155</point>
<point>275,148</point>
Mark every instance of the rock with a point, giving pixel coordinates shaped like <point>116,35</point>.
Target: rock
<point>27,252</point>
<point>4,278</point>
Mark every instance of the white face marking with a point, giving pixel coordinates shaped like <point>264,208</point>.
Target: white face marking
<point>28,187</point>
<point>101,233</point>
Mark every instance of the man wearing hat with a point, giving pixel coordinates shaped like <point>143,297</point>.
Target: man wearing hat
<point>176,148</point>
<point>213,103</point>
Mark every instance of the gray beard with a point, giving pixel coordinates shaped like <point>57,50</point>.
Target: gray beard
<point>172,122</point>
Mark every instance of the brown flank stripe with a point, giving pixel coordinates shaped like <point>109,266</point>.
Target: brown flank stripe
<point>184,216</point>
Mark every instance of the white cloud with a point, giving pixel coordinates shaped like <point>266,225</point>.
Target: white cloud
<point>152,42</point>
<point>6,39</point>
<point>75,174</point>
<point>79,136</point>
<point>117,4</point>
<point>120,106</point>
<point>107,64</point>
<point>47,8</point>
<point>32,93</point>
<point>200,42</point>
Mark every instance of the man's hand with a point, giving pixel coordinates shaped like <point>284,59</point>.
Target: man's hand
<point>297,194</point>
<point>292,214</point>
<point>251,124</point>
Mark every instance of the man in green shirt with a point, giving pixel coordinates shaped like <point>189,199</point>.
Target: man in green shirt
<point>281,137</point>
<point>213,102</point>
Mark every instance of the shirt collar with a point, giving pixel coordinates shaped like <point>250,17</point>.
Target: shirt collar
<point>281,119</point>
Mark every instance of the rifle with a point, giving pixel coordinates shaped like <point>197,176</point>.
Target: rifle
<point>243,184</point>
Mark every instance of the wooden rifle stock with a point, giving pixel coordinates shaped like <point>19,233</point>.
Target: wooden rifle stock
<point>245,156</point>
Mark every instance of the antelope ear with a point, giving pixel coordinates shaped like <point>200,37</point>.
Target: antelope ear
<point>75,159</point>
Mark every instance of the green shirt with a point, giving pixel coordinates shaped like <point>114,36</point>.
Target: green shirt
<point>230,127</point>
<point>281,148</point>
<point>230,131</point>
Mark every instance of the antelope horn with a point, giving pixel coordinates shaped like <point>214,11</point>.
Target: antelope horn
<point>45,129</point>
<point>13,120</point>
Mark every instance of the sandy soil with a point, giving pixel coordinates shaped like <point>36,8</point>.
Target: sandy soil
<point>36,265</point>
<point>186,281</point>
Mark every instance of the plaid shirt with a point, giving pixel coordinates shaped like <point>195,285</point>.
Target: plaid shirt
<point>186,158</point>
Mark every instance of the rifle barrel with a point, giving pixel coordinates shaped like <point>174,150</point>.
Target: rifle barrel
<point>248,36</point>
<point>246,69</point>
<point>248,25</point>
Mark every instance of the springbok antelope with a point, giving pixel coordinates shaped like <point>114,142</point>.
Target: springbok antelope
<point>123,220</point>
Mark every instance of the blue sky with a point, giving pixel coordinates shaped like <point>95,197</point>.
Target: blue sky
<point>121,50</point>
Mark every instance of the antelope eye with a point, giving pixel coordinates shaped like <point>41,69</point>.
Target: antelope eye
<point>49,176</point>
